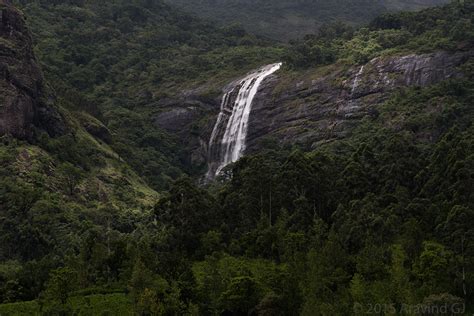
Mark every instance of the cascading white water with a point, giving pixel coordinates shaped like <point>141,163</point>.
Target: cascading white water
<point>356,82</point>
<point>353,103</point>
<point>236,131</point>
<point>232,145</point>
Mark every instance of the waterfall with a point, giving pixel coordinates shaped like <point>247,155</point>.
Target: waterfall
<point>356,82</point>
<point>227,146</point>
<point>353,104</point>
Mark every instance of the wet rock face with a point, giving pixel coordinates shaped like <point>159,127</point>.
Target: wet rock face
<point>24,102</point>
<point>307,112</point>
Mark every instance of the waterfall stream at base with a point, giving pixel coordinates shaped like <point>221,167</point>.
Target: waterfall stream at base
<point>227,146</point>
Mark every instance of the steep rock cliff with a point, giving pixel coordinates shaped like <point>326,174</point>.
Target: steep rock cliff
<point>307,107</point>
<point>24,99</point>
<point>314,108</point>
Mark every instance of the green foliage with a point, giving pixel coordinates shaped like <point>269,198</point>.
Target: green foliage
<point>116,60</point>
<point>382,217</point>
<point>19,309</point>
<point>70,175</point>
<point>241,295</point>
<point>433,264</point>
<point>424,31</point>
<point>95,305</point>
<point>237,285</point>
<point>189,211</point>
<point>58,289</point>
<point>287,19</point>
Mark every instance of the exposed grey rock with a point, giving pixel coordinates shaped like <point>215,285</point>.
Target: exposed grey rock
<point>96,128</point>
<point>24,99</point>
<point>176,119</point>
<point>310,111</point>
<point>183,116</point>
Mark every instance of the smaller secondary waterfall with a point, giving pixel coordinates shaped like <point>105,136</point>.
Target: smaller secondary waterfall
<point>356,83</point>
<point>353,104</point>
<point>227,146</point>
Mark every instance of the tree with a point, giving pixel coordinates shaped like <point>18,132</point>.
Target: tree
<point>142,279</point>
<point>70,176</point>
<point>401,291</point>
<point>241,296</point>
<point>188,211</point>
<point>61,284</point>
<point>458,231</point>
<point>149,304</point>
<point>433,267</point>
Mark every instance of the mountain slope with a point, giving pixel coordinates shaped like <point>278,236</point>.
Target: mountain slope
<point>333,80</point>
<point>26,101</point>
<point>120,60</point>
<point>60,180</point>
<point>287,19</point>
<point>357,192</point>
<point>57,164</point>
<point>314,107</point>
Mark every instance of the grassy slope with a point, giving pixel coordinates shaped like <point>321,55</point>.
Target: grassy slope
<point>110,178</point>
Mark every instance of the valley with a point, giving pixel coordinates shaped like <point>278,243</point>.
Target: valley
<point>157,162</point>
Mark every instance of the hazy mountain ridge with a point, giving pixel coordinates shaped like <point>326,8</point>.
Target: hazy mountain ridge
<point>287,19</point>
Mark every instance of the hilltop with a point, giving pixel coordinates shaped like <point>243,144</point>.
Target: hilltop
<point>288,19</point>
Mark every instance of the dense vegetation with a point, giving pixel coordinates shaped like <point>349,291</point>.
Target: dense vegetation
<point>289,19</point>
<point>384,217</point>
<point>439,28</point>
<point>117,59</point>
<point>380,222</point>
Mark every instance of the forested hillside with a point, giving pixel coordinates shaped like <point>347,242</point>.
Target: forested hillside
<point>102,211</point>
<point>289,19</point>
<point>118,59</point>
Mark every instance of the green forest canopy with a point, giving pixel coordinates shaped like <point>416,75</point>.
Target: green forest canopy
<point>383,217</point>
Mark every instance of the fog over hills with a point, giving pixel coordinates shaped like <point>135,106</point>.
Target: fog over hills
<point>289,19</point>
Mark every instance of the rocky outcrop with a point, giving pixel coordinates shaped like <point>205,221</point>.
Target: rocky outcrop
<point>178,114</point>
<point>187,116</point>
<point>316,109</point>
<point>94,127</point>
<point>24,99</point>
<point>310,107</point>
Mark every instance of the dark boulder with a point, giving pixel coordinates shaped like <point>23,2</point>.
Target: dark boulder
<point>25,101</point>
